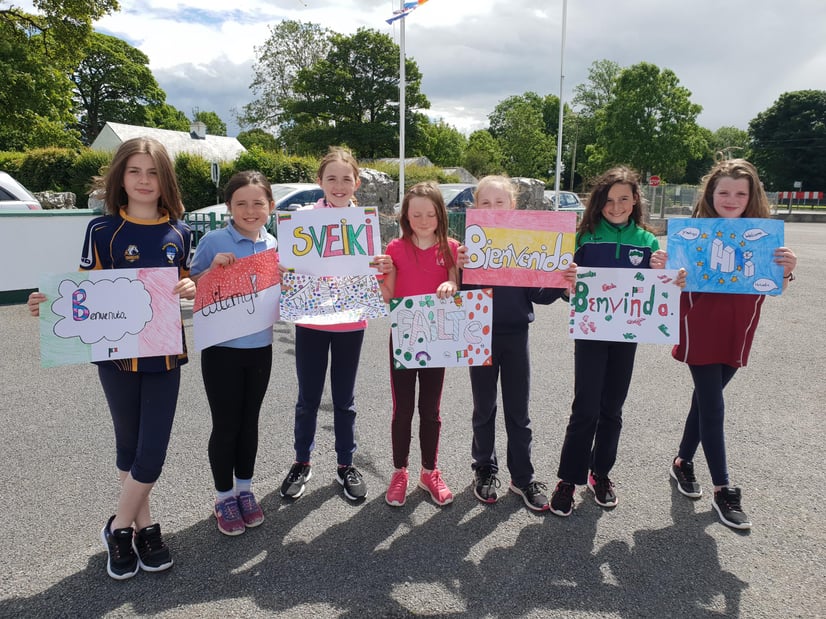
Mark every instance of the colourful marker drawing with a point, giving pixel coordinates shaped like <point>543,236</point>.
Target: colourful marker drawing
<point>734,256</point>
<point>620,305</point>
<point>330,300</point>
<point>431,332</point>
<point>329,241</point>
<point>109,314</point>
<point>518,248</point>
<point>236,300</point>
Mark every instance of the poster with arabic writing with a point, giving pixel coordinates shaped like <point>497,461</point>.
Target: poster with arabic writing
<point>429,332</point>
<point>625,305</point>
<point>330,300</point>
<point>236,300</point>
<point>734,256</point>
<point>109,314</point>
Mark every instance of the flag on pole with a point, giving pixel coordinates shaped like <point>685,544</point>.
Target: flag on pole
<point>407,7</point>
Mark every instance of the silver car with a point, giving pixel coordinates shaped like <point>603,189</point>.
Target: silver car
<point>13,196</point>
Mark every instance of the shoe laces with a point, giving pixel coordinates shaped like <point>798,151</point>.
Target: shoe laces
<point>247,502</point>
<point>229,509</point>
<point>398,480</point>
<point>731,500</point>
<point>436,481</point>
<point>296,471</point>
<point>564,490</point>
<point>488,478</point>
<point>602,483</point>
<point>351,476</point>
<point>534,488</point>
<point>150,538</point>
<point>687,469</point>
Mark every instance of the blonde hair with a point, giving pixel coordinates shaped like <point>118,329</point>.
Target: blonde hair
<point>496,180</point>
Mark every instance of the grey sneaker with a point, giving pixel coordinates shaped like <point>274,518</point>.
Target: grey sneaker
<point>485,484</point>
<point>534,495</point>
<point>351,482</point>
<point>686,481</point>
<point>293,485</point>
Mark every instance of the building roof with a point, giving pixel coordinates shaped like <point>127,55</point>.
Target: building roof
<point>210,147</point>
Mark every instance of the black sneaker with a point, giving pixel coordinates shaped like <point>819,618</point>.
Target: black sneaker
<point>534,495</point>
<point>122,561</point>
<point>686,481</point>
<point>562,500</point>
<point>153,553</point>
<point>727,504</point>
<point>603,489</point>
<point>293,485</point>
<point>485,483</point>
<point>351,482</point>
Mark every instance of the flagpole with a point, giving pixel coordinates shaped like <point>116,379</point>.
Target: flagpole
<point>402,87</point>
<point>561,103</point>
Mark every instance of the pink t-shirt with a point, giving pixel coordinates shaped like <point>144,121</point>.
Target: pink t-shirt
<point>342,326</point>
<point>418,271</point>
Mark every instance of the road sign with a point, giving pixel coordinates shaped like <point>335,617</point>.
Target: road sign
<point>215,172</point>
<point>653,180</point>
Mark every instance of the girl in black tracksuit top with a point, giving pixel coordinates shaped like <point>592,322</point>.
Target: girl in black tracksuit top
<point>611,234</point>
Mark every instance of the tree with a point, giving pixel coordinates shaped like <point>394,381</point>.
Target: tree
<point>37,52</point>
<point>482,154</point>
<point>443,144</point>
<point>352,97</point>
<point>519,127</point>
<point>597,92</point>
<point>258,138</point>
<point>292,46</point>
<point>213,122</point>
<point>165,116</point>
<point>649,123</point>
<point>547,107</point>
<point>113,83</point>
<point>788,141</point>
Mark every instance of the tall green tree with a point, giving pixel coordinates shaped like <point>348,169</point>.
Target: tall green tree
<point>37,53</point>
<point>113,83</point>
<point>213,122</point>
<point>352,97</point>
<point>597,92</point>
<point>165,116</point>
<point>483,155</point>
<point>443,144</point>
<point>788,141</point>
<point>520,128</point>
<point>649,123</point>
<point>291,46</point>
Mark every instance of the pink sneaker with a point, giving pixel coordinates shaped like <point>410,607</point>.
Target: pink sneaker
<point>435,485</point>
<point>228,515</point>
<point>251,511</point>
<point>397,491</point>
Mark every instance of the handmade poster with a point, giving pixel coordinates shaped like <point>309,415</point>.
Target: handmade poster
<point>518,248</point>
<point>727,255</point>
<point>429,332</point>
<point>330,300</point>
<point>109,314</point>
<point>329,241</point>
<point>236,300</point>
<point>625,305</point>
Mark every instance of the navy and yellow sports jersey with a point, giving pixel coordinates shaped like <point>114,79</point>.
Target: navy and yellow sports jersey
<point>623,247</point>
<point>121,242</point>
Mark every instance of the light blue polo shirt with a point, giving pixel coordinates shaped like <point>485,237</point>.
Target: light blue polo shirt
<point>228,239</point>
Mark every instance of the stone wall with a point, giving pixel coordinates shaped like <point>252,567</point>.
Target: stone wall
<point>56,199</point>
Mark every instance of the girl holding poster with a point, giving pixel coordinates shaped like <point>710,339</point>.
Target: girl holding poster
<point>422,261</point>
<point>141,227</point>
<point>611,234</point>
<point>720,329</point>
<point>236,372</point>
<point>338,176</point>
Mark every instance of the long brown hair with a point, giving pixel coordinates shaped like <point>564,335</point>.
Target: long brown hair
<point>112,180</point>
<point>599,197</point>
<point>431,192</point>
<point>758,204</point>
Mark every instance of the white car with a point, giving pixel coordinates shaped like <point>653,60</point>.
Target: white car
<point>568,201</point>
<point>13,196</point>
<point>287,196</point>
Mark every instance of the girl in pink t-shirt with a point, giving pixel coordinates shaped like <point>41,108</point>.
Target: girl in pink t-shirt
<point>422,261</point>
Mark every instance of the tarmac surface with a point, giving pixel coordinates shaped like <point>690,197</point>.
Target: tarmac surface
<point>657,554</point>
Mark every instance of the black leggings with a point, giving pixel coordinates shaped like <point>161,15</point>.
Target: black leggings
<point>235,380</point>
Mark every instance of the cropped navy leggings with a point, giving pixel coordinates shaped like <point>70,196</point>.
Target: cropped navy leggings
<point>142,405</point>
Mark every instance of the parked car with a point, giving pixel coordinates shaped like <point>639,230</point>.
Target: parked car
<point>457,197</point>
<point>568,201</point>
<point>287,196</point>
<point>13,196</point>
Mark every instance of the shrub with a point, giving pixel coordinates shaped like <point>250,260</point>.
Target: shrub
<point>47,169</point>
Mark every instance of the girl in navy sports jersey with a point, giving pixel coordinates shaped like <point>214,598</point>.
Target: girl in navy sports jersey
<point>236,372</point>
<point>720,329</point>
<point>141,227</point>
<point>611,234</point>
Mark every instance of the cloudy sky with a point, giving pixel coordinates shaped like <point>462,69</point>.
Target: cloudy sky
<point>735,56</point>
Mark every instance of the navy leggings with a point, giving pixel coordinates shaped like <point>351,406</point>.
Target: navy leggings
<point>312,349</point>
<point>142,405</point>
<point>705,423</point>
<point>236,381</point>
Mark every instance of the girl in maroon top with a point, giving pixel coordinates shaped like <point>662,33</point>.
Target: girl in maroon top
<point>716,332</point>
<point>422,261</point>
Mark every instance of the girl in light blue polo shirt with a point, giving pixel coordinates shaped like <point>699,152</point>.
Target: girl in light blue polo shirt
<point>236,372</point>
